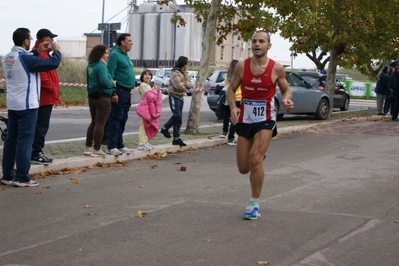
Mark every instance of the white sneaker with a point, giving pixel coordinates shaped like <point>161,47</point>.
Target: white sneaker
<point>144,147</point>
<point>31,183</point>
<point>114,151</point>
<point>98,153</point>
<point>88,151</point>
<point>149,144</point>
<point>126,150</point>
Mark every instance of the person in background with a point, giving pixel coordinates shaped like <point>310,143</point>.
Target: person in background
<point>98,76</point>
<point>395,109</point>
<point>226,117</point>
<point>179,83</point>
<point>149,109</point>
<point>121,69</point>
<point>381,90</point>
<point>255,119</point>
<point>389,99</point>
<point>23,93</point>
<point>49,96</point>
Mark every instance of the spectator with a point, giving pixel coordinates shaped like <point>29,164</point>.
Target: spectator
<point>381,90</point>
<point>49,96</point>
<point>121,69</point>
<point>98,77</point>
<point>149,109</point>
<point>179,83</point>
<point>21,71</point>
<point>226,111</point>
<point>389,99</point>
<point>256,117</point>
<point>395,79</point>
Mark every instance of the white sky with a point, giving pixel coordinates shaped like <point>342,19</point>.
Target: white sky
<point>73,18</point>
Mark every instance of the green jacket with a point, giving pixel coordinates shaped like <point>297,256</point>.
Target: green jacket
<point>97,75</point>
<point>121,68</point>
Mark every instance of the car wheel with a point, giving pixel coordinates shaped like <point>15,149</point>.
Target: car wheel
<point>323,110</point>
<point>346,105</point>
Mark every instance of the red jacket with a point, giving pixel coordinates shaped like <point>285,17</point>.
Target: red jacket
<point>50,84</point>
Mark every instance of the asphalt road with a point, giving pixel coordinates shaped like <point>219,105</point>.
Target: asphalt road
<point>330,197</point>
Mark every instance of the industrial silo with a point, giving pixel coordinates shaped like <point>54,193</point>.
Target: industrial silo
<point>150,39</point>
<point>196,47</point>
<point>183,37</point>
<point>166,40</point>
<point>148,7</point>
<point>136,31</point>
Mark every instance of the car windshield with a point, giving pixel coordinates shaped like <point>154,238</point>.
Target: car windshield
<point>168,72</point>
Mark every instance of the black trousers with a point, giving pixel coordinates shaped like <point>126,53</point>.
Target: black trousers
<point>42,125</point>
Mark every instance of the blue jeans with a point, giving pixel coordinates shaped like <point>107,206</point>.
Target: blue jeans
<point>18,146</point>
<point>117,118</point>
<point>176,106</point>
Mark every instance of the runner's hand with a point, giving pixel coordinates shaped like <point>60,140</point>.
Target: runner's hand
<point>287,104</point>
<point>235,113</point>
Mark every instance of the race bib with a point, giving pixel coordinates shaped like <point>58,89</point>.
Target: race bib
<point>254,111</point>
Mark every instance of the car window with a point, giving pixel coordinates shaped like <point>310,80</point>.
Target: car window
<point>296,80</point>
<point>167,73</point>
<point>222,76</point>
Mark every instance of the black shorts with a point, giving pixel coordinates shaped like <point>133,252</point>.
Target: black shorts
<point>248,131</point>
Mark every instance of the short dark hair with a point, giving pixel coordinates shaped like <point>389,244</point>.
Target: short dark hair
<point>121,38</point>
<point>145,71</point>
<point>20,35</point>
<point>182,61</point>
<point>96,53</point>
<point>268,35</point>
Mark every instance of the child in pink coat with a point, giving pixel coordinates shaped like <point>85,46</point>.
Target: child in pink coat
<point>149,109</point>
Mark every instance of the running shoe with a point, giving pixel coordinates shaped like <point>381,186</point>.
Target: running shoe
<point>252,212</point>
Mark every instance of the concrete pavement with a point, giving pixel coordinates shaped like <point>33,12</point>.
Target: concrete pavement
<point>330,197</point>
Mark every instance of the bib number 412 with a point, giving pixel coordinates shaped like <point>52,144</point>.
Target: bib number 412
<point>258,111</point>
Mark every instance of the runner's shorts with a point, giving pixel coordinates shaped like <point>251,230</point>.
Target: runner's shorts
<point>248,131</point>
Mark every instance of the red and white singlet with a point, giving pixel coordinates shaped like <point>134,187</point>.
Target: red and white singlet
<point>257,104</point>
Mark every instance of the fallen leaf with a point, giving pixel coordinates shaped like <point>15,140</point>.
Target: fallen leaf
<point>207,240</point>
<point>183,168</point>
<point>130,180</point>
<point>91,213</point>
<point>141,214</point>
<point>87,206</point>
<point>55,152</point>
<point>141,186</point>
<point>262,262</point>
<point>38,192</point>
<point>75,181</point>
<point>397,221</point>
<point>47,187</point>
<point>154,166</point>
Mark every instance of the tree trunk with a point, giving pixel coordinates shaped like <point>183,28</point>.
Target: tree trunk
<point>331,71</point>
<point>196,98</point>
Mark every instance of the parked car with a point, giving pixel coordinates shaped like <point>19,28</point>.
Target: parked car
<point>161,79</point>
<point>341,96</point>
<point>217,76</point>
<point>343,77</point>
<point>153,71</point>
<point>193,77</point>
<point>308,100</point>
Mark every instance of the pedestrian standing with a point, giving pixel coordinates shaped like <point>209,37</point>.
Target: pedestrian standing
<point>98,79</point>
<point>149,109</point>
<point>381,90</point>
<point>179,83</point>
<point>49,96</point>
<point>121,69</point>
<point>256,118</point>
<point>21,69</point>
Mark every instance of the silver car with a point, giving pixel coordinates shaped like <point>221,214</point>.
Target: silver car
<point>161,79</point>
<point>307,99</point>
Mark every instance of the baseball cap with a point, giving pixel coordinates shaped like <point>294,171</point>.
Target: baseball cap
<point>45,33</point>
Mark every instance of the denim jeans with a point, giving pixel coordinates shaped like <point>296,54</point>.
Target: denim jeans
<point>42,125</point>
<point>176,106</point>
<point>117,118</point>
<point>18,145</point>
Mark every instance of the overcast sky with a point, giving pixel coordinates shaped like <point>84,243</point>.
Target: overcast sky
<point>73,18</point>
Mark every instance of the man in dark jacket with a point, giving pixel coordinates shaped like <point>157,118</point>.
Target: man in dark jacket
<point>23,93</point>
<point>381,89</point>
<point>49,96</point>
<point>395,88</point>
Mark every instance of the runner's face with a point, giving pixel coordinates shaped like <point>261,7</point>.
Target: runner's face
<point>260,44</point>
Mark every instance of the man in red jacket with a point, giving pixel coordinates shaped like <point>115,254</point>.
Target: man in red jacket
<point>49,96</point>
